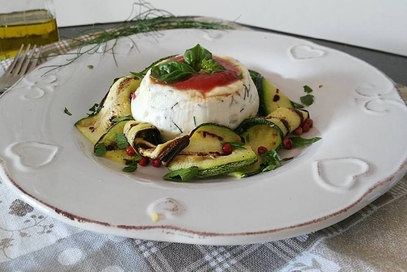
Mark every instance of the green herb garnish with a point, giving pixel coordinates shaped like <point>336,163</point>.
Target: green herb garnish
<point>307,100</point>
<point>270,160</point>
<point>100,150</point>
<point>236,145</point>
<point>302,142</point>
<point>121,141</point>
<point>138,75</point>
<point>131,167</point>
<point>198,60</point>
<point>307,89</point>
<point>182,174</point>
<point>172,71</point>
<point>66,111</point>
<point>95,109</point>
<point>195,55</point>
<point>124,118</point>
<point>211,66</point>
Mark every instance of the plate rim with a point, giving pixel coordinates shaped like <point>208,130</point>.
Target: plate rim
<point>86,223</point>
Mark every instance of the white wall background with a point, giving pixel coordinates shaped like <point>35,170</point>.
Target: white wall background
<point>375,24</point>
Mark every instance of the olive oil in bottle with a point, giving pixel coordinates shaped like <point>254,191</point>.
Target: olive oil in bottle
<point>37,27</point>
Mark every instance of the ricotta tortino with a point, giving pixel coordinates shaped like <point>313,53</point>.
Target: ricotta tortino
<point>225,98</point>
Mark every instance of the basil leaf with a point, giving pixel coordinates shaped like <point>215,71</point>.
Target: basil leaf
<point>195,55</point>
<point>301,142</point>
<point>145,70</point>
<point>182,174</point>
<point>210,66</point>
<point>307,100</point>
<point>196,60</point>
<point>172,71</point>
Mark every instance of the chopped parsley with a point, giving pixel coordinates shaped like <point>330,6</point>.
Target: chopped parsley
<point>121,141</point>
<point>66,111</point>
<point>94,109</point>
<point>100,150</point>
<point>307,89</point>
<point>131,167</point>
<point>270,160</point>
<point>307,99</point>
<point>182,174</point>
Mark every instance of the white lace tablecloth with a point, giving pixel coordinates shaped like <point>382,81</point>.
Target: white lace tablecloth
<point>373,239</point>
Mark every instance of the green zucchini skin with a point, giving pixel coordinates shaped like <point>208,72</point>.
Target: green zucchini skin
<point>271,97</point>
<point>205,152</point>
<point>210,165</point>
<point>249,122</point>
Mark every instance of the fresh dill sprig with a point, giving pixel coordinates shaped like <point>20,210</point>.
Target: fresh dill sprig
<point>148,20</point>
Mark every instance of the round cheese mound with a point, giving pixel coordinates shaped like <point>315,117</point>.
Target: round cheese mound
<point>177,112</point>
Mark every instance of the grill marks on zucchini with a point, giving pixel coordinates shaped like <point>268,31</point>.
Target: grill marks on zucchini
<point>271,98</point>
<point>201,149</point>
<point>287,119</point>
<point>205,152</point>
<point>205,148</point>
<point>146,141</point>
<point>115,104</point>
<point>209,134</point>
<point>268,132</point>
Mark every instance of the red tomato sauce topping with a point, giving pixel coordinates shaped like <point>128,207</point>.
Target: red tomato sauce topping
<point>206,82</point>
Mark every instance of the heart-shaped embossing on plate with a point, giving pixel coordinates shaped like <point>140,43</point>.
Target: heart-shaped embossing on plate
<point>341,173</point>
<point>377,105</point>
<point>212,36</point>
<point>31,155</point>
<point>368,90</point>
<point>301,52</point>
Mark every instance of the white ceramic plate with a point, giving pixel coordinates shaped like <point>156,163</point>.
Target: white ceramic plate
<point>357,111</point>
